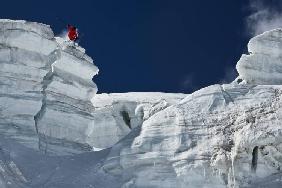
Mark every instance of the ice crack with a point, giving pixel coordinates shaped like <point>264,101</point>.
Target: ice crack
<point>47,79</point>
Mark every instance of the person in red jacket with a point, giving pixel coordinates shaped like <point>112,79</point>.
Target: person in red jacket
<point>72,33</point>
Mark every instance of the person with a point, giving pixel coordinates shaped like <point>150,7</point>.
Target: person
<point>72,33</point>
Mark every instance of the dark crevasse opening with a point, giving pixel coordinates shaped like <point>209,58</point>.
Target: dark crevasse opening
<point>126,118</point>
<point>255,159</point>
<point>239,80</point>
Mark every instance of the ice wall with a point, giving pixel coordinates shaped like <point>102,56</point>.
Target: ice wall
<point>220,136</point>
<point>116,114</point>
<point>46,93</point>
<point>27,51</point>
<point>46,87</point>
<point>67,109</point>
<point>263,64</point>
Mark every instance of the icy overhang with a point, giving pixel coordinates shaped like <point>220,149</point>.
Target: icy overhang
<point>263,64</point>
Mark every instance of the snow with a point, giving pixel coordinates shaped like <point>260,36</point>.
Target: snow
<point>27,168</point>
<point>57,132</point>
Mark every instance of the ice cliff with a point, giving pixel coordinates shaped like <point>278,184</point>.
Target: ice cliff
<point>263,63</point>
<point>220,136</point>
<point>46,91</point>
<point>52,122</point>
<point>46,86</point>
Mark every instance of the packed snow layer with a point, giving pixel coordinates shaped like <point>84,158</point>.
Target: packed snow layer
<point>263,64</point>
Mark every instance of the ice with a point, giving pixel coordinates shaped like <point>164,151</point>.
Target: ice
<point>42,81</point>
<point>190,143</point>
<point>263,64</point>
<point>116,114</point>
<point>27,35</point>
<point>57,132</point>
<point>46,94</point>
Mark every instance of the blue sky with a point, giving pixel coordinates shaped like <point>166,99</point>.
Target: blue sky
<point>154,45</point>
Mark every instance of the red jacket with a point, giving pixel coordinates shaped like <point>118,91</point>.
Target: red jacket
<point>72,33</point>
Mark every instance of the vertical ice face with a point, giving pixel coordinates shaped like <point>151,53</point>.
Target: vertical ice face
<point>46,91</point>
<point>263,64</point>
<point>46,87</point>
<point>27,51</point>
<point>220,136</point>
<point>68,110</point>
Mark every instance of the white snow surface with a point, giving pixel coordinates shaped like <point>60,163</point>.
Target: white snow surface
<point>54,128</point>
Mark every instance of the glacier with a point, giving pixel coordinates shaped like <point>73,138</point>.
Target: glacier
<point>56,131</point>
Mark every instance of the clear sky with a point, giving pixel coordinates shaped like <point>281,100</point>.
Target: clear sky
<point>151,45</point>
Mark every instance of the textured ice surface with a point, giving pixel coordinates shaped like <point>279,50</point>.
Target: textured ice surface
<point>263,64</point>
<point>45,88</point>
<point>116,114</point>
<point>67,110</point>
<point>209,139</point>
<point>52,125</point>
